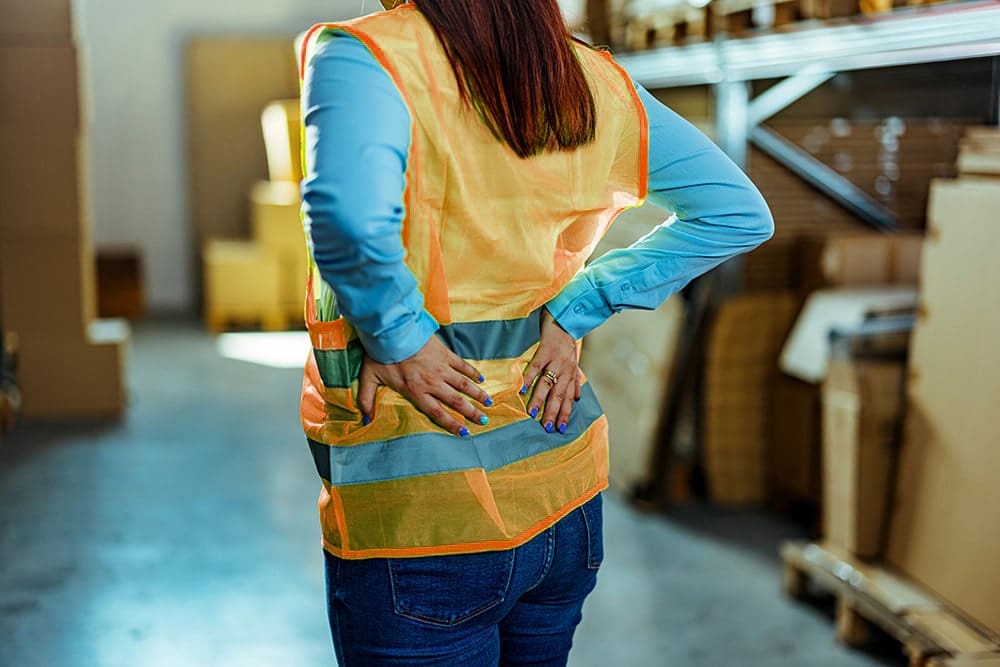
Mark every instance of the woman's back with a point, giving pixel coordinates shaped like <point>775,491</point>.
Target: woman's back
<point>491,235</point>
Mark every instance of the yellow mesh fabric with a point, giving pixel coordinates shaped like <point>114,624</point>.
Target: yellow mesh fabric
<point>466,511</point>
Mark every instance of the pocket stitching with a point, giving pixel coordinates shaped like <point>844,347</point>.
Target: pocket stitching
<point>592,562</point>
<point>509,565</point>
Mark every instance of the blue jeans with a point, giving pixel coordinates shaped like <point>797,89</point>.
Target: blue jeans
<point>515,607</point>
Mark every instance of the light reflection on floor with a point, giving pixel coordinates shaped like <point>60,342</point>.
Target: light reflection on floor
<point>286,349</point>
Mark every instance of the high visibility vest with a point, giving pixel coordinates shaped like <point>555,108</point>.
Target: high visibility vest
<point>491,238</point>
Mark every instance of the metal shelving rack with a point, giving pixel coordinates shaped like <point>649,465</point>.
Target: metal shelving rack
<point>805,56</point>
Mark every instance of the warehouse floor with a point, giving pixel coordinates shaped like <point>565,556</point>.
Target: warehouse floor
<point>186,535</point>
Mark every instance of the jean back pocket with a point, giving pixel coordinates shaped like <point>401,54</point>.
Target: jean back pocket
<point>447,590</point>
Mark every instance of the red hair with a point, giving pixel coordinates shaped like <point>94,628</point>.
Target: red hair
<point>516,65</point>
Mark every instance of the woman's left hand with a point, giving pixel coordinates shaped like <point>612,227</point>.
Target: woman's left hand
<point>557,354</point>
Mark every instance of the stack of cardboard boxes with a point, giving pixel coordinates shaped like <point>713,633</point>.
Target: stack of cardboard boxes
<point>846,277</point>
<point>910,462</point>
<point>70,364</point>
<point>263,279</point>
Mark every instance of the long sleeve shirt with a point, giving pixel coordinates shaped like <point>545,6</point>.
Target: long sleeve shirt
<point>357,134</point>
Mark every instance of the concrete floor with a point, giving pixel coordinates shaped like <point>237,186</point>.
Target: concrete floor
<point>187,535</point>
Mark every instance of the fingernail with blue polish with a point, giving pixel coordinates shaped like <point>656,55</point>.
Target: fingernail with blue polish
<point>534,412</point>
<point>464,432</point>
<point>524,389</point>
<point>482,378</point>
<point>365,421</point>
<point>484,420</point>
<point>548,427</point>
<point>488,402</point>
<point>562,428</point>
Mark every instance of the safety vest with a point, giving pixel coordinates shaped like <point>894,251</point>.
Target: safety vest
<point>490,238</point>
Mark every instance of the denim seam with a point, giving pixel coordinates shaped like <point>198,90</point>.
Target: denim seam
<point>550,550</point>
<point>591,564</point>
<point>461,619</point>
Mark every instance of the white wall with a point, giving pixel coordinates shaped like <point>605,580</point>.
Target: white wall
<point>134,55</point>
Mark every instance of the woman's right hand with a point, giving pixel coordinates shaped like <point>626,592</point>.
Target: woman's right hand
<point>433,379</point>
<point>557,354</point>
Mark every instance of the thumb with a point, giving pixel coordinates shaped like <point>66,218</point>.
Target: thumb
<point>367,384</point>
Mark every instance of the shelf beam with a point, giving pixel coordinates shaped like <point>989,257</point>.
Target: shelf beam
<point>805,57</point>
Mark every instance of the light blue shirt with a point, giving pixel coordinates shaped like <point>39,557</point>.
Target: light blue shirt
<point>357,144</point>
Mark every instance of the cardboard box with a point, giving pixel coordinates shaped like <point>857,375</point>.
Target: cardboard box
<point>862,407</point>
<point>947,502</point>
<point>859,260</point>
<point>276,217</point>
<point>42,185</point>
<point>277,226</point>
<point>39,20</point>
<point>629,361</point>
<point>225,147</point>
<point>972,161</point>
<point>40,87</point>
<point>242,282</point>
<point>282,125</point>
<point>982,138</point>
<point>74,377</point>
<point>47,288</point>
<point>741,365</point>
<point>825,9</point>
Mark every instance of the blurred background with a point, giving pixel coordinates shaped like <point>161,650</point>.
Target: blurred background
<point>804,443</point>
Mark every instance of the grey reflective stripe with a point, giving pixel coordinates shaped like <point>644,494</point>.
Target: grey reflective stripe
<point>340,368</point>
<point>480,341</point>
<point>430,453</point>
<point>493,339</point>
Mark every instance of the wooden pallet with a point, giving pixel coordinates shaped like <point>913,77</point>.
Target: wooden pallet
<point>932,634</point>
<point>221,322</point>
<point>665,27</point>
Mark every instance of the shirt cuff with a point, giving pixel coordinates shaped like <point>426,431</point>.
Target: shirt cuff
<point>392,347</point>
<point>579,308</point>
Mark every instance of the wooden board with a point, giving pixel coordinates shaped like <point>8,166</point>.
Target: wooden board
<point>947,505</point>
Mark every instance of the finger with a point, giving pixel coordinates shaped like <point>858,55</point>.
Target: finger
<point>466,386</point>
<point>367,384</point>
<point>466,369</point>
<point>558,393</point>
<point>431,407</point>
<point>533,370</point>
<point>566,410</point>
<point>579,385</point>
<point>459,403</point>
<point>539,396</point>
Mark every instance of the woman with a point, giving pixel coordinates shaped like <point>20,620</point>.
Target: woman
<point>462,161</point>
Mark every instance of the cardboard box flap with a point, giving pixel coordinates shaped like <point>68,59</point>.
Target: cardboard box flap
<point>807,350</point>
